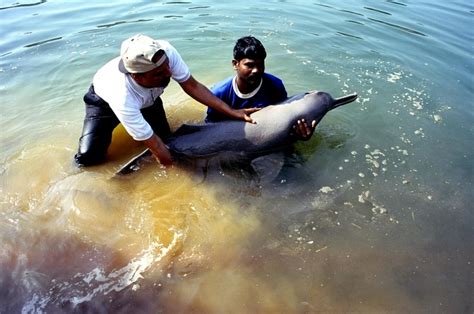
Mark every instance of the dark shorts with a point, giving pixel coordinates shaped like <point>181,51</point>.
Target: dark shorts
<point>99,123</point>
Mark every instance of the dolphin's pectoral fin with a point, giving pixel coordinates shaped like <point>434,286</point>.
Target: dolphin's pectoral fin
<point>230,164</point>
<point>198,168</point>
<point>135,163</point>
<point>268,167</point>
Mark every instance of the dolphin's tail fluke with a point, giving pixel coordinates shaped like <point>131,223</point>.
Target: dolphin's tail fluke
<point>344,100</point>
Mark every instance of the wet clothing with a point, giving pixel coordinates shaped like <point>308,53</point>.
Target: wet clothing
<point>100,121</point>
<point>114,98</point>
<point>270,91</point>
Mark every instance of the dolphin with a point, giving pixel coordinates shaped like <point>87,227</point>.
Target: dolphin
<point>270,133</point>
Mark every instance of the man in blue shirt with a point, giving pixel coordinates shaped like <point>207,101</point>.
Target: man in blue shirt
<point>251,87</point>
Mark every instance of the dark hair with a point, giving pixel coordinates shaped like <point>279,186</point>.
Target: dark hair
<point>249,47</point>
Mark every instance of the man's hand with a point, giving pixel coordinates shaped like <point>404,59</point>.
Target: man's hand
<point>202,94</point>
<point>302,131</point>
<point>159,150</point>
<point>244,114</point>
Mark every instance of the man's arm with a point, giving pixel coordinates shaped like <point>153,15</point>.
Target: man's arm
<point>202,94</point>
<point>159,150</point>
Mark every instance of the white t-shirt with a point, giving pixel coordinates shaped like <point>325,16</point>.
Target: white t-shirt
<point>126,97</point>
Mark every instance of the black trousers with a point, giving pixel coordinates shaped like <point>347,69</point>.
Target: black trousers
<point>99,123</point>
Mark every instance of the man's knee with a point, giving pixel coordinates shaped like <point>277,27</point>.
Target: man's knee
<point>88,159</point>
<point>92,149</point>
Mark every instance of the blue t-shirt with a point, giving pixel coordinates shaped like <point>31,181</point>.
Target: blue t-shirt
<point>271,92</point>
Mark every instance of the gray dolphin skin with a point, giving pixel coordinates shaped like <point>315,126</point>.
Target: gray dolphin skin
<point>271,133</point>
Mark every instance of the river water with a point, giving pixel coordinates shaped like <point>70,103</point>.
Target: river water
<point>373,215</point>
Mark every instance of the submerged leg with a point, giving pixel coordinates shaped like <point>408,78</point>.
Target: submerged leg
<point>99,123</point>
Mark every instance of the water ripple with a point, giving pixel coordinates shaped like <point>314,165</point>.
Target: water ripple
<point>42,42</point>
<point>123,22</point>
<point>350,35</point>
<point>377,10</point>
<point>402,28</point>
<point>19,5</point>
<point>355,22</point>
<point>397,3</point>
<point>201,7</point>
<point>178,2</point>
<point>324,5</point>
<point>352,12</point>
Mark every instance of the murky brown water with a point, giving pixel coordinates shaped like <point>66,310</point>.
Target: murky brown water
<point>173,240</point>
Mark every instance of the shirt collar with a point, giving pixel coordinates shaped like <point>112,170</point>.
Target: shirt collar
<point>241,95</point>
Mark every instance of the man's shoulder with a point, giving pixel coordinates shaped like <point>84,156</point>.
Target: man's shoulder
<point>274,87</point>
<point>165,44</point>
<point>272,79</point>
<point>222,86</point>
<point>170,50</point>
<point>111,67</point>
<point>108,81</point>
<point>272,82</point>
<point>115,87</point>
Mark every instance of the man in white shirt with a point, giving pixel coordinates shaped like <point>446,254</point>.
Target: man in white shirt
<point>127,90</point>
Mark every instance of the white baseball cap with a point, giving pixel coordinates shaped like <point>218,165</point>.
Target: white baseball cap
<point>137,53</point>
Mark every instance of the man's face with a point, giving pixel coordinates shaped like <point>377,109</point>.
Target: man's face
<point>158,77</point>
<point>250,71</point>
